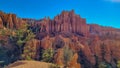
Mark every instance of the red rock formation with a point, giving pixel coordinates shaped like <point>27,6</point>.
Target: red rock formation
<point>10,21</point>
<point>58,57</point>
<point>93,43</point>
<point>47,42</point>
<point>15,21</point>
<point>1,23</point>
<point>70,22</point>
<point>104,31</point>
<point>73,63</point>
<point>66,22</point>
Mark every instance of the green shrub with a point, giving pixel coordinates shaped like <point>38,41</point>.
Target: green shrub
<point>104,65</point>
<point>67,55</point>
<point>118,64</point>
<point>4,57</point>
<point>47,55</point>
<point>54,66</point>
<point>22,36</point>
<point>29,52</point>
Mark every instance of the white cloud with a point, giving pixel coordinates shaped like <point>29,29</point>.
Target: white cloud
<point>114,0</point>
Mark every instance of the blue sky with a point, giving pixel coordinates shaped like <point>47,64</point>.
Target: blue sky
<point>102,12</point>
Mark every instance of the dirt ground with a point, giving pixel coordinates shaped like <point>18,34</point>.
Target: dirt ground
<point>29,64</point>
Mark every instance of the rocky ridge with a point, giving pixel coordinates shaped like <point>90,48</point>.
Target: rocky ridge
<point>92,43</point>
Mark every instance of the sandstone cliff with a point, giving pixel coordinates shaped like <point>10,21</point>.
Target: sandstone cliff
<point>91,43</point>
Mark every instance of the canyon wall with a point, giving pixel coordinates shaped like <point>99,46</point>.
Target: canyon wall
<point>92,43</point>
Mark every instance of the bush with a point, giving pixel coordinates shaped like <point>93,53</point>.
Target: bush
<point>118,64</point>
<point>54,66</point>
<point>47,55</point>
<point>20,38</point>
<point>29,51</point>
<point>104,65</point>
<point>67,55</point>
<point>5,59</point>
